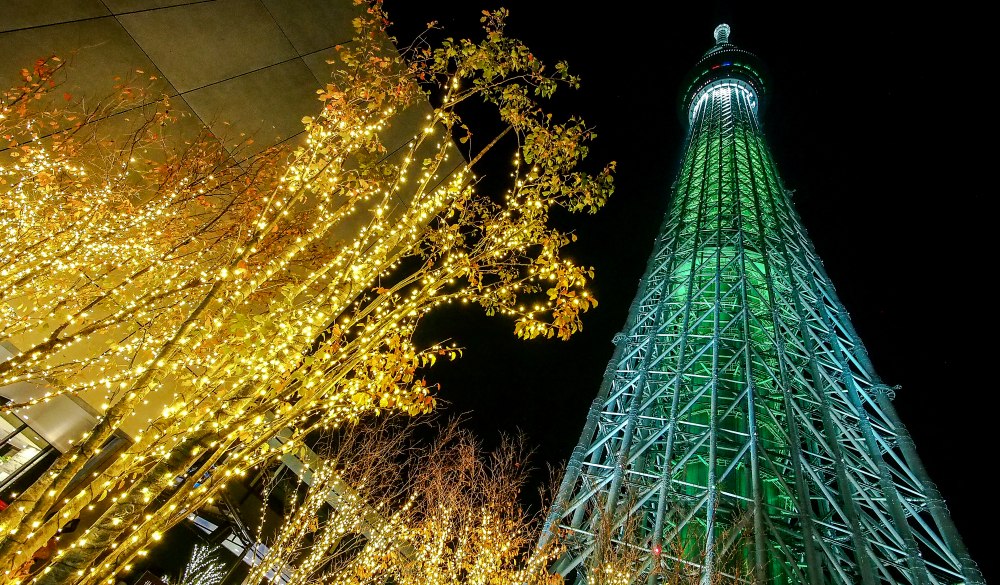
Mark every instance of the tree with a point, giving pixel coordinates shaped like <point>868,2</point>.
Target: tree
<point>265,294</point>
<point>203,568</point>
<point>439,513</point>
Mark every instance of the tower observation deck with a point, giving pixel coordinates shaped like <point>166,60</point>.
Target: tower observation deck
<point>741,433</point>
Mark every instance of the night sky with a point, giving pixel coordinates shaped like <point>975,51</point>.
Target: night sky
<point>875,119</point>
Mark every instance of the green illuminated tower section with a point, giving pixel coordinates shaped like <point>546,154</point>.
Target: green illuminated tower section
<point>740,433</point>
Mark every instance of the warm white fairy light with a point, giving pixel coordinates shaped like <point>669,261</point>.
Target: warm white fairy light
<point>248,298</point>
<point>458,521</point>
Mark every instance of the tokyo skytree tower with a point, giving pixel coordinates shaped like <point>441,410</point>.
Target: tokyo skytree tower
<point>741,433</point>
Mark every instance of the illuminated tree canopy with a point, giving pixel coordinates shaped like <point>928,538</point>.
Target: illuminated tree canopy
<point>251,295</point>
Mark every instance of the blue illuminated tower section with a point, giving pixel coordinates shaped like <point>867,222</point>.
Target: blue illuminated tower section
<point>740,433</point>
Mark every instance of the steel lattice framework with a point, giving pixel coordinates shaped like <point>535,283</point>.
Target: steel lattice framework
<point>740,428</point>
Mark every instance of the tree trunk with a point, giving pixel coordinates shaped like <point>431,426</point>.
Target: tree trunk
<point>121,515</point>
<point>27,545</point>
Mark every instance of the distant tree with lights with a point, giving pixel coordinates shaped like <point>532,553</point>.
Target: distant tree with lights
<point>448,512</point>
<point>268,293</point>
<point>203,568</point>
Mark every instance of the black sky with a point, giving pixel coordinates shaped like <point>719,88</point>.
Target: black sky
<point>880,120</point>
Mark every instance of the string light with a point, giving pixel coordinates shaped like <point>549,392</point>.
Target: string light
<point>276,295</point>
